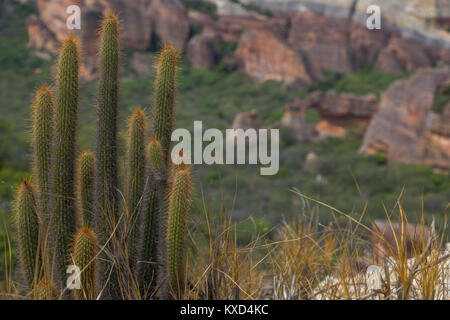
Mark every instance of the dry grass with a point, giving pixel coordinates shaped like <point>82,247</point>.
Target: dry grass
<point>304,260</point>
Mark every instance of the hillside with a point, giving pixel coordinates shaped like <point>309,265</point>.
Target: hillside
<point>340,176</point>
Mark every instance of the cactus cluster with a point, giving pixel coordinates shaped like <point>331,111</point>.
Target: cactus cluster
<point>73,214</point>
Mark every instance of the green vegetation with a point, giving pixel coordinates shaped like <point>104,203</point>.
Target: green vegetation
<point>364,81</point>
<point>202,6</point>
<point>441,99</point>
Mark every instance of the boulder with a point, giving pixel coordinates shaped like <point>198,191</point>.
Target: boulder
<point>323,43</point>
<point>201,50</point>
<point>39,35</point>
<point>405,127</point>
<point>294,117</point>
<point>403,54</point>
<point>266,57</point>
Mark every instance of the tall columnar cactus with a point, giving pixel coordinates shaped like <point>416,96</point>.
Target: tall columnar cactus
<point>106,172</point>
<point>63,216</point>
<point>45,290</point>
<point>85,249</point>
<point>165,96</point>
<point>85,188</point>
<point>107,109</point>
<point>178,211</point>
<point>27,222</point>
<point>151,219</point>
<point>135,179</point>
<point>42,132</point>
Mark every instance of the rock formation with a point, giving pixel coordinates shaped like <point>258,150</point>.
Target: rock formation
<point>405,127</point>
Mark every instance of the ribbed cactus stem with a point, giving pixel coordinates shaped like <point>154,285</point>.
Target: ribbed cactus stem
<point>28,232</point>
<point>107,196</point>
<point>64,154</point>
<point>135,179</point>
<point>178,211</point>
<point>42,132</point>
<point>151,218</point>
<point>165,96</point>
<point>85,188</point>
<point>45,290</point>
<point>85,249</point>
<point>107,109</point>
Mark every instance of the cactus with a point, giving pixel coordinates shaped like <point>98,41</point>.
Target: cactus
<point>107,109</point>
<point>65,144</point>
<point>45,290</point>
<point>28,232</point>
<point>42,132</point>
<point>85,188</point>
<point>165,95</point>
<point>88,188</point>
<point>178,211</point>
<point>151,219</point>
<point>84,255</point>
<point>106,172</point>
<point>135,179</point>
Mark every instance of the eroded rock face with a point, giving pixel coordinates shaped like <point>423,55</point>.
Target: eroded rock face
<point>338,113</point>
<point>295,118</point>
<point>171,23</point>
<point>322,42</point>
<point>402,55</point>
<point>405,128</point>
<point>246,120</point>
<point>201,50</point>
<point>39,35</point>
<point>266,57</point>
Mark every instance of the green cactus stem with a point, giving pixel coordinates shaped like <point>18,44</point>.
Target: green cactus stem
<point>65,144</point>
<point>106,173</point>
<point>151,219</point>
<point>178,210</point>
<point>45,290</point>
<point>165,96</point>
<point>135,179</point>
<point>42,133</point>
<point>107,110</point>
<point>85,188</point>
<point>84,255</point>
<point>27,222</point>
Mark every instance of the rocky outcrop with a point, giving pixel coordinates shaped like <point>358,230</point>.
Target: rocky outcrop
<point>148,22</point>
<point>294,117</point>
<point>170,22</point>
<point>266,57</point>
<point>338,113</point>
<point>201,50</point>
<point>402,54</point>
<point>246,120</point>
<point>310,35</point>
<point>405,128</point>
<point>40,36</point>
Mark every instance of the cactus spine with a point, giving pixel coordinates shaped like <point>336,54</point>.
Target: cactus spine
<point>28,232</point>
<point>84,255</point>
<point>165,95</point>
<point>45,290</point>
<point>65,144</point>
<point>151,220</point>
<point>85,188</point>
<point>178,211</point>
<point>42,132</point>
<point>106,149</point>
<point>106,172</point>
<point>136,179</point>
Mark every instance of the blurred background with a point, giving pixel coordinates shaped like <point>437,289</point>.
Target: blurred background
<point>364,115</point>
